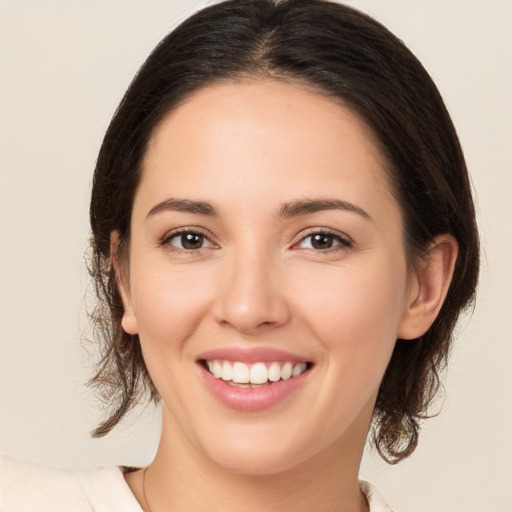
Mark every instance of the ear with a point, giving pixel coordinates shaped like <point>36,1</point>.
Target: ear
<point>129,320</point>
<point>429,286</point>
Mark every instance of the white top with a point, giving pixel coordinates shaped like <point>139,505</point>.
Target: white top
<point>31,487</point>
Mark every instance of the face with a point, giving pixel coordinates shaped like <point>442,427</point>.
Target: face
<point>267,277</point>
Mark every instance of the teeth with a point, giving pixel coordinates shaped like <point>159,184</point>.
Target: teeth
<point>286,372</point>
<point>298,369</point>
<point>258,373</point>
<point>274,372</point>
<point>227,371</point>
<point>217,369</point>
<point>240,373</point>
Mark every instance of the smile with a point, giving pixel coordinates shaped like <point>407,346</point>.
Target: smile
<point>237,373</point>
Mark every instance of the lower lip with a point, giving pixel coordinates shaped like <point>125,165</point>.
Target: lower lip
<point>251,399</point>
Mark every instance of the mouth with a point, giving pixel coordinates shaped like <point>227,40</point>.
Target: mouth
<point>255,374</point>
<point>253,379</point>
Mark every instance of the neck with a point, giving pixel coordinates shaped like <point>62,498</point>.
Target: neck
<point>183,479</point>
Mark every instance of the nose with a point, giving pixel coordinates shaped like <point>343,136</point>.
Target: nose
<point>251,295</point>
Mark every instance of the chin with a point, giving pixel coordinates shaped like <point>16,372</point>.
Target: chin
<point>264,462</point>
<point>256,451</point>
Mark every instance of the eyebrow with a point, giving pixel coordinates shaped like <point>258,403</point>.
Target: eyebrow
<point>307,206</point>
<point>288,210</point>
<point>186,206</point>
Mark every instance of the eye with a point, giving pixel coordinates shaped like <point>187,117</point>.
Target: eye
<point>188,240</point>
<point>323,241</point>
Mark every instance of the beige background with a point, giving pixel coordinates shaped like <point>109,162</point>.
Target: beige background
<point>63,68</point>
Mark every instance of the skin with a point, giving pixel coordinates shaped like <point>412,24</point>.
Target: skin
<point>256,279</point>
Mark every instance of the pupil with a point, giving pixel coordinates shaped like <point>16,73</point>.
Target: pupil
<point>191,240</point>
<point>322,241</point>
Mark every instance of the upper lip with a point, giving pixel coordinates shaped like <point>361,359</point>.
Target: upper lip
<point>251,355</point>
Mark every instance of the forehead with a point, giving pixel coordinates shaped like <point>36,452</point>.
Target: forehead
<point>236,139</point>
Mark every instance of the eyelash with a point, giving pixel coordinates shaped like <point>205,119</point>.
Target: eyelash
<point>186,231</point>
<point>341,242</point>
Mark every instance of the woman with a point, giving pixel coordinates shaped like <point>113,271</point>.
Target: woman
<point>283,237</point>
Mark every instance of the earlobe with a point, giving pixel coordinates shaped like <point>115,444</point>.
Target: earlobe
<point>129,324</point>
<point>129,320</point>
<point>428,291</point>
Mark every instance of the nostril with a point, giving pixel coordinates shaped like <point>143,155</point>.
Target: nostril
<point>249,298</point>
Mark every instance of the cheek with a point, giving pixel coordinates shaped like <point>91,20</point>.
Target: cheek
<point>169,306</point>
<point>354,314</point>
<point>355,309</point>
<point>169,303</point>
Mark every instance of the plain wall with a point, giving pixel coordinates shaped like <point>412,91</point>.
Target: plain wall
<point>64,66</point>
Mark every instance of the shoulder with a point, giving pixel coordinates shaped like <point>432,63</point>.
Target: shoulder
<point>372,495</point>
<point>28,487</point>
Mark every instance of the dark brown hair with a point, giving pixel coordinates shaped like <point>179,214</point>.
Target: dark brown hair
<point>339,52</point>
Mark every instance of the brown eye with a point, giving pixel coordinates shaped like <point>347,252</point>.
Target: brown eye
<point>189,241</point>
<point>323,241</point>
